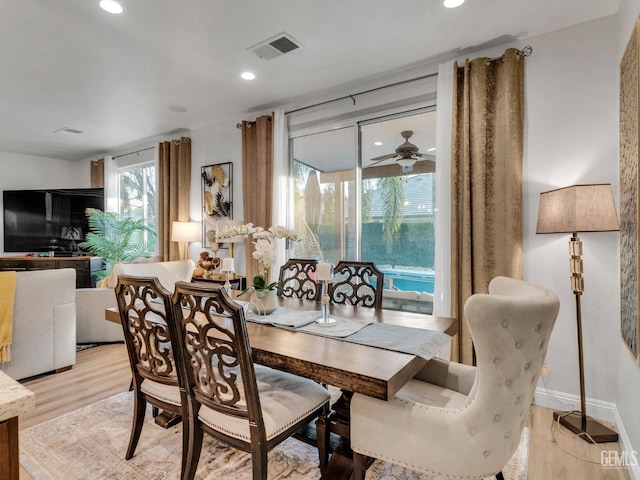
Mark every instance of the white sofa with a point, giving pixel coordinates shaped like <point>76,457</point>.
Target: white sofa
<point>92,302</point>
<point>44,323</point>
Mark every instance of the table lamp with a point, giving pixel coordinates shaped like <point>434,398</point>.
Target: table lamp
<point>579,208</point>
<point>183,233</point>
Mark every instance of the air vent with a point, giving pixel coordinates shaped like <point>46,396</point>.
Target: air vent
<point>68,131</point>
<point>275,46</point>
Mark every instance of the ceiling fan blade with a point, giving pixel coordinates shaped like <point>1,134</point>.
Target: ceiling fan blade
<point>383,157</point>
<point>425,156</point>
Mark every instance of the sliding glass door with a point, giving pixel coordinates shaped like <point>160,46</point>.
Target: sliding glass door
<point>367,192</point>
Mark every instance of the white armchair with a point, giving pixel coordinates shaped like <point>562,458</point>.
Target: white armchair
<point>457,420</point>
<point>92,302</point>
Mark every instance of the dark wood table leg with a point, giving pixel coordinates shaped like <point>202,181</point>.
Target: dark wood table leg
<point>340,465</point>
<point>168,420</point>
<point>9,451</point>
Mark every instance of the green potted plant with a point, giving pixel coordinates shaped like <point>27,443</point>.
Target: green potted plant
<point>264,299</point>
<point>116,238</point>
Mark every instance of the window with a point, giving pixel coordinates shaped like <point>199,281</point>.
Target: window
<point>137,194</point>
<point>348,206</point>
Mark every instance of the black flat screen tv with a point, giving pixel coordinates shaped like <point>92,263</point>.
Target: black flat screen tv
<point>48,220</point>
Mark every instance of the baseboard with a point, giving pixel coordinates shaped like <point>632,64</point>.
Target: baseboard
<point>565,401</point>
<point>597,409</point>
<point>625,446</point>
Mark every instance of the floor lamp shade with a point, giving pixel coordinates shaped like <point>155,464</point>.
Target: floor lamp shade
<point>579,208</point>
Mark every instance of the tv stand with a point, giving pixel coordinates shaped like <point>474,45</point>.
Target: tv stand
<point>85,267</point>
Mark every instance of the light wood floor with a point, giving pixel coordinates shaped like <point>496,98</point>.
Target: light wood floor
<point>104,371</point>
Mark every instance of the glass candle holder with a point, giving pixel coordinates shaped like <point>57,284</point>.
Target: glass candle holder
<point>325,304</point>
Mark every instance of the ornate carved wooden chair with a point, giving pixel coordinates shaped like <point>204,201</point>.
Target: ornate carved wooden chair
<point>250,407</point>
<point>357,283</point>
<point>146,314</point>
<point>297,279</point>
<point>461,421</point>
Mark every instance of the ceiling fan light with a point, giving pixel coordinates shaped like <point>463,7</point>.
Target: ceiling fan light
<point>452,3</point>
<point>407,162</point>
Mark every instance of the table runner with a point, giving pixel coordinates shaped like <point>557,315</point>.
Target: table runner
<point>415,341</point>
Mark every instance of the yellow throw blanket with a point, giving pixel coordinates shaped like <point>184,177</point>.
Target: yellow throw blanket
<point>7,296</point>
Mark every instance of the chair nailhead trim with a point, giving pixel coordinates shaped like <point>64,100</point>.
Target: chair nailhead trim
<point>496,418</point>
<point>472,432</point>
<point>496,361</point>
<point>507,382</point>
<point>485,453</point>
<point>505,324</point>
<point>518,344</point>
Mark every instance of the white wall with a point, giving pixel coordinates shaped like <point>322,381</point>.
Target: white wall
<point>572,137</point>
<point>572,117</point>
<point>30,172</point>
<point>217,144</point>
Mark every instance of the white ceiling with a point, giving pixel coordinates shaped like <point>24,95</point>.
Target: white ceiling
<point>67,63</point>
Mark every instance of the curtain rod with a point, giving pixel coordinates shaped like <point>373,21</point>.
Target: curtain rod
<point>131,153</point>
<point>526,51</point>
<point>353,95</point>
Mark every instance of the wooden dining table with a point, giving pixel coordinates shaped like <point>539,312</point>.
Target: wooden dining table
<point>352,367</point>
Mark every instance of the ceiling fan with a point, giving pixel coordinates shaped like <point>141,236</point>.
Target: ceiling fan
<point>406,154</point>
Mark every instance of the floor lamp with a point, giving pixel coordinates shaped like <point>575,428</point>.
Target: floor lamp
<point>183,233</point>
<point>579,208</point>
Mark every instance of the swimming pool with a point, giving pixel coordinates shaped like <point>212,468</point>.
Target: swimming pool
<point>404,279</point>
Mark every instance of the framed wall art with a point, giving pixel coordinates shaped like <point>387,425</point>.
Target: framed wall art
<point>217,197</point>
<point>629,125</point>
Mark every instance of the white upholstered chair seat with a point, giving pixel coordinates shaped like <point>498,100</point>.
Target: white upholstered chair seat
<point>284,398</point>
<point>456,420</point>
<point>166,393</point>
<point>418,394</point>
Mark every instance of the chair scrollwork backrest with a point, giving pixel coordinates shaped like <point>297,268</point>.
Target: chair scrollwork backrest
<point>297,279</point>
<point>146,315</point>
<point>357,283</point>
<point>215,351</point>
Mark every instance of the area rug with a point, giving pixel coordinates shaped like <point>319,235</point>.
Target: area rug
<point>81,347</point>
<point>90,443</point>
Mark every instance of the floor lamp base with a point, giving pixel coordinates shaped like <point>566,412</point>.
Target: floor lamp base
<point>593,431</point>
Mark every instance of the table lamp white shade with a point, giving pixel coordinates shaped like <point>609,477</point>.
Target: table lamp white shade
<point>227,265</point>
<point>323,271</point>
<point>185,232</point>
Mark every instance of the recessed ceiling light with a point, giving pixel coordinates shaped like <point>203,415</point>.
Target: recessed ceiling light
<point>452,3</point>
<point>111,6</point>
<point>432,149</point>
<point>377,144</point>
<point>247,75</point>
<point>177,108</point>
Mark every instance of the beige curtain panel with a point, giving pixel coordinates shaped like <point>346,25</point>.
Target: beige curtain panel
<point>257,178</point>
<point>97,173</point>
<point>174,185</point>
<point>486,180</point>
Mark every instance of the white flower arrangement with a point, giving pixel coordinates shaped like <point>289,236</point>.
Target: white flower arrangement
<point>264,246</point>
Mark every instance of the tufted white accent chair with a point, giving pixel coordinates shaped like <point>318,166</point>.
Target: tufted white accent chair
<point>461,421</point>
